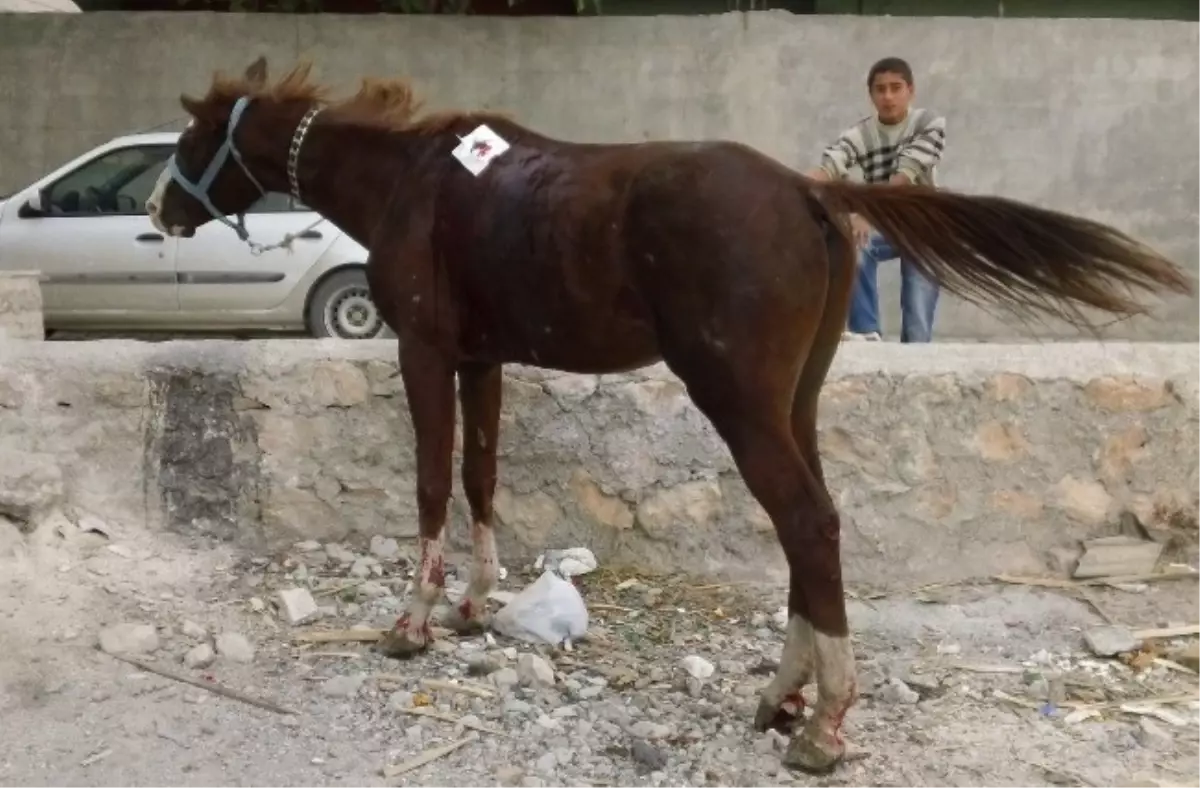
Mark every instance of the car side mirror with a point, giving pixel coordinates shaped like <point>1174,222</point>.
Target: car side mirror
<point>32,207</point>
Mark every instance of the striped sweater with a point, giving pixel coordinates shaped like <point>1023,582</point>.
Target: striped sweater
<point>913,147</point>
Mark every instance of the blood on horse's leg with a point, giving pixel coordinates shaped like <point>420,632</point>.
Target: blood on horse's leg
<point>412,628</point>
<point>808,527</point>
<point>480,394</point>
<point>795,670</point>
<point>429,384</point>
<point>820,746</point>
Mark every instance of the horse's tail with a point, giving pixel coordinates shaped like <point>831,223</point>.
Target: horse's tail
<point>1028,259</point>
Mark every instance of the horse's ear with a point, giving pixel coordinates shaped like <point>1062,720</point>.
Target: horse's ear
<point>197,109</point>
<point>256,72</point>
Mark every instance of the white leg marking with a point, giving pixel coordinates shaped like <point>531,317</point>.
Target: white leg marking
<point>837,690</point>
<point>431,581</point>
<point>484,567</point>
<point>796,665</point>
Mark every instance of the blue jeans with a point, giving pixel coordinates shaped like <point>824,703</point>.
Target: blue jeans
<point>918,295</point>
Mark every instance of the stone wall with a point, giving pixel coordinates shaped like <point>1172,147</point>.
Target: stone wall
<point>1092,116</point>
<point>947,461</point>
<point>20,306</point>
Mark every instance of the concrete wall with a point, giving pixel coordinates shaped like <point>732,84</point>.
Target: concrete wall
<point>1096,117</point>
<point>20,306</point>
<point>947,461</point>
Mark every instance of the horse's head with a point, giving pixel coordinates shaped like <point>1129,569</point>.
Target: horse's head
<point>208,177</point>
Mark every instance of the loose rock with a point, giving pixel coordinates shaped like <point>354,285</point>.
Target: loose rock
<point>697,666</point>
<point>235,647</point>
<point>534,671</point>
<point>129,639</point>
<point>505,679</point>
<point>647,755</point>
<point>645,729</point>
<point>1152,735</point>
<point>339,553</point>
<point>483,664</point>
<point>384,547</point>
<point>343,686</point>
<point>1108,641</point>
<point>199,656</point>
<point>896,691</point>
<point>193,630</point>
<point>297,605</point>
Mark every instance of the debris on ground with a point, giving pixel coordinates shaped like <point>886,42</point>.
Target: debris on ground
<point>1117,555</point>
<point>1109,641</point>
<point>568,563</point>
<point>549,611</point>
<point>129,639</point>
<point>959,685</point>
<point>297,605</point>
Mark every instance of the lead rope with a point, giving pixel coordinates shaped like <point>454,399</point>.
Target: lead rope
<point>284,243</point>
<point>293,161</point>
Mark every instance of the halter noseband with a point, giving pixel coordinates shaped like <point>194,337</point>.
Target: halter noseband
<point>199,190</point>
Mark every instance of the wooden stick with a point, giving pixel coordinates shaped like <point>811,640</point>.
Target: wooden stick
<point>466,689</point>
<point>428,756</point>
<point>616,608</point>
<point>339,589</point>
<point>1167,632</point>
<point>357,635</point>
<point>1159,700</point>
<point>422,711</point>
<point>971,668</point>
<point>1170,664</point>
<point>214,688</point>
<point>1054,582</point>
<point>95,757</point>
<point>341,636</point>
<point>1094,603</point>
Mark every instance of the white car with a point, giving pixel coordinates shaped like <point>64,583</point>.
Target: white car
<point>105,267</point>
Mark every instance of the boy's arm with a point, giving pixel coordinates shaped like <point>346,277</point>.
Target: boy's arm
<point>838,158</point>
<point>922,152</point>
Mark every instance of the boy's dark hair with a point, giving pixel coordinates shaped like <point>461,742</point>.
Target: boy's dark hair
<point>890,65</point>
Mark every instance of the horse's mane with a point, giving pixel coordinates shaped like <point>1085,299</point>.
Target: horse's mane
<point>384,103</point>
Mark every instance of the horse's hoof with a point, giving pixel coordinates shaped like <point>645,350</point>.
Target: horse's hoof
<point>770,716</point>
<point>400,645</point>
<point>462,625</point>
<point>808,756</point>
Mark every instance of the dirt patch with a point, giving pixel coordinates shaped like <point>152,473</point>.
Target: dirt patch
<point>966,685</point>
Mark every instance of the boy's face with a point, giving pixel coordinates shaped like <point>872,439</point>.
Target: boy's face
<point>891,96</point>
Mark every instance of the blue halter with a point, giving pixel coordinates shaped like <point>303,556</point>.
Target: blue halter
<point>199,190</point>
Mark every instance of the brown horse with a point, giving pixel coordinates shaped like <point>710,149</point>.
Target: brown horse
<point>730,267</point>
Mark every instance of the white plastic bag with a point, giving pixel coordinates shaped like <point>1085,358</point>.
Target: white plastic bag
<point>569,563</point>
<point>548,611</point>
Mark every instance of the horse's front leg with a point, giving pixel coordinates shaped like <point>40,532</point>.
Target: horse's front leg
<point>429,385</point>
<point>479,387</point>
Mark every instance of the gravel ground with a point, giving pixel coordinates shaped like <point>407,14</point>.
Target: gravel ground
<point>966,685</point>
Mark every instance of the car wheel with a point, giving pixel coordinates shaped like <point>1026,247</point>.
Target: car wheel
<point>341,307</point>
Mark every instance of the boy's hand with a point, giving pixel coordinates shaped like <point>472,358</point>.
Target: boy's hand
<point>860,229</point>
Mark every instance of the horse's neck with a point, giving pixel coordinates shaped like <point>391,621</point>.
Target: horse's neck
<point>348,173</point>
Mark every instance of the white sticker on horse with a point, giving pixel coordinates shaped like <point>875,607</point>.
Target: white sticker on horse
<point>477,149</point>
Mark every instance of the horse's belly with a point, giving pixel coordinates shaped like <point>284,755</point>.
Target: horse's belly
<point>573,340</point>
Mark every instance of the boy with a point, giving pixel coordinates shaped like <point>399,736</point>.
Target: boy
<point>898,145</point>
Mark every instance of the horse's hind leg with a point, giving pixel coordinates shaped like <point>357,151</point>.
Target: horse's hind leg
<point>479,388</point>
<point>429,386</point>
<point>799,651</point>
<point>757,427</point>
<point>824,619</point>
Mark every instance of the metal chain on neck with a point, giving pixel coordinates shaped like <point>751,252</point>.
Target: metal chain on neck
<point>294,183</point>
